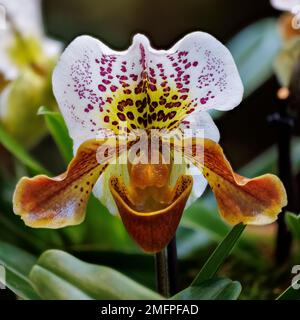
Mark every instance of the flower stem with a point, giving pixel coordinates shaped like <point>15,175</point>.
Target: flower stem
<point>162,273</point>
<point>173,266</point>
<point>166,269</point>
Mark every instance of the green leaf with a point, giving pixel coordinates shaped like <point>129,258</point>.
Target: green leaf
<point>254,50</point>
<point>59,132</point>
<point>290,293</point>
<point>100,231</point>
<point>20,153</point>
<point>217,258</point>
<point>123,261</point>
<point>203,216</point>
<point>212,289</point>
<point>14,231</point>
<point>190,242</point>
<point>17,265</point>
<point>293,223</point>
<point>58,275</point>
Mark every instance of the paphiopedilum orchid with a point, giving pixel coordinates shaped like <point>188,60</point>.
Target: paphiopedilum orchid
<point>289,26</point>
<point>102,93</point>
<point>27,58</point>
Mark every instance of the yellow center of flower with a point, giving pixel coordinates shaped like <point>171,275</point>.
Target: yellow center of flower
<point>148,109</point>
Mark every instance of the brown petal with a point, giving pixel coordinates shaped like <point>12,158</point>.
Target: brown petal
<point>152,231</point>
<point>250,201</point>
<point>44,202</point>
<point>286,26</point>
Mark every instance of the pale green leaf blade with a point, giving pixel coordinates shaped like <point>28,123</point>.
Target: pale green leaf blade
<point>55,269</point>
<point>290,293</point>
<point>293,223</point>
<point>17,264</point>
<point>219,255</point>
<point>20,152</point>
<point>254,50</point>
<point>212,289</point>
<point>59,132</point>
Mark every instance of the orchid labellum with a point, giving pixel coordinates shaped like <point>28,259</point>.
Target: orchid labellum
<point>104,94</point>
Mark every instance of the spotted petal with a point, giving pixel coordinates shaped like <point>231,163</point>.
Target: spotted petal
<point>99,89</point>
<point>250,201</point>
<point>61,201</point>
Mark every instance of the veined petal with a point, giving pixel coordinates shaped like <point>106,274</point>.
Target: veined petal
<point>190,127</point>
<point>99,89</point>
<point>250,201</point>
<point>285,5</point>
<point>152,231</point>
<point>61,201</point>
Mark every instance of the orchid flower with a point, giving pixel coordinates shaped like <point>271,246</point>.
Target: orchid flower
<point>289,27</point>
<point>101,91</point>
<point>289,21</point>
<point>27,58</point>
